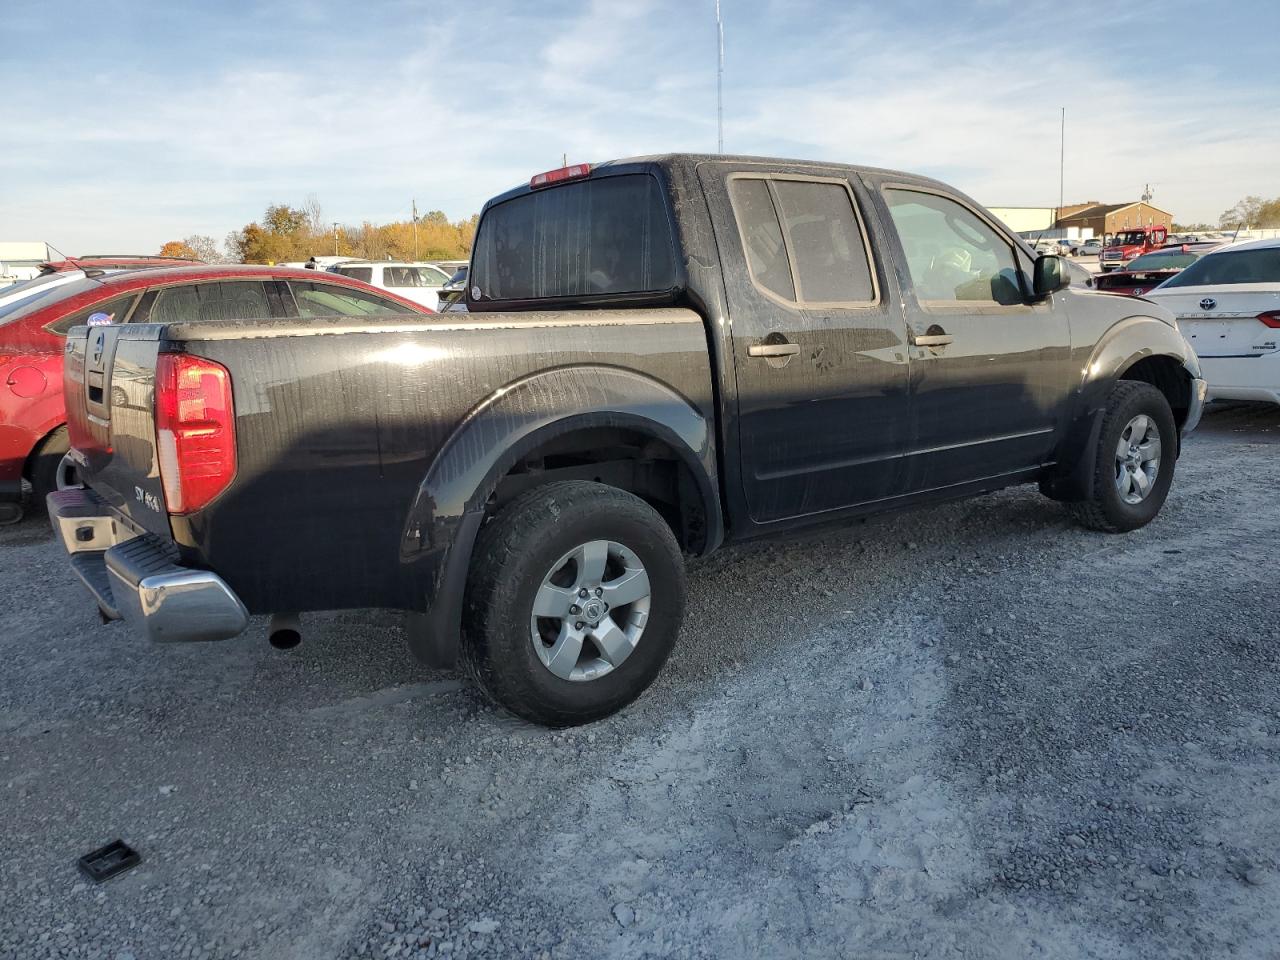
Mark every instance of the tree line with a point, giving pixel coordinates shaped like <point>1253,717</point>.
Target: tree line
<point>288,234</point>
<point>1252,212</point>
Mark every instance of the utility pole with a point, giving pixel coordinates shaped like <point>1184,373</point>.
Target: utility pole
<point>1062,159</point>
<point>415,228</point>
<point>719,81</point>
<point>335,238</point>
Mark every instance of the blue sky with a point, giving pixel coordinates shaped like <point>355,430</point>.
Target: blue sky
<point>132,123</point>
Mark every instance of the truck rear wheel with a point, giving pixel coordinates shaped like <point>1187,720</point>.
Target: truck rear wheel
<point>574,602</point>
<point>1133,466</point>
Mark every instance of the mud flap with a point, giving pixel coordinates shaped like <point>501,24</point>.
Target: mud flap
<point>1073,479</point>
<point>434,635</point>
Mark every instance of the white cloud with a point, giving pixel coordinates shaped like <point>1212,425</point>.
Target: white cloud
<point>451,110</point>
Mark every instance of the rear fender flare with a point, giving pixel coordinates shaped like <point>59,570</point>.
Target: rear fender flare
<point>445,516</point>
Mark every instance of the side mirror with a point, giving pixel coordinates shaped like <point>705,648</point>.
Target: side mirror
<point>1048,276</point>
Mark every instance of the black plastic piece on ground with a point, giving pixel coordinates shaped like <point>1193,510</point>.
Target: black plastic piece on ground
<point>105,862</point>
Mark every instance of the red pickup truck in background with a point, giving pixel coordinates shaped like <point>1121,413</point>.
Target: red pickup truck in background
<point>1131,243</point>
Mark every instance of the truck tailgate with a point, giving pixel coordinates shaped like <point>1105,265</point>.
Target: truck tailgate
<point>109,383</point>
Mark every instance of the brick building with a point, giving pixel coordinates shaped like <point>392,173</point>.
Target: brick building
<point>1108,218</point>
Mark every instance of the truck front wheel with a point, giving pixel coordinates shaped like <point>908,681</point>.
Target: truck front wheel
<point>1137,448</point>
<point>574,601</point>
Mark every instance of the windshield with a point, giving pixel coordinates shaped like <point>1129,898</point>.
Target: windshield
<point>1231,266</point>
<point>1127,239</point>
<point>1163,261</point>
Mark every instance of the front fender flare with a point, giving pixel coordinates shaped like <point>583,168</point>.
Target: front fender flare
<point>1124,344</point>
<point>444,519</point>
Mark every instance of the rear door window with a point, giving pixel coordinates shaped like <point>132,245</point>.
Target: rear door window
<point>411,277</point>
<point>221,300</point>
<point>363,274</point>
<point>335,300</point>
<point>607,236</point>
<point>804,240</point>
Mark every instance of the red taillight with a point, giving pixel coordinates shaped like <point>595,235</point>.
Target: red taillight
<point>195,430</point>
<point>1271,319</point>
<point>573,172</point>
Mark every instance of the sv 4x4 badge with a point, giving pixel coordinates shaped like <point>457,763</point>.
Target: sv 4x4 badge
<point>148,500</point>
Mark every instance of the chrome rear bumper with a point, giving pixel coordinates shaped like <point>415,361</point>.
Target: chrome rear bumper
<point>138,579</point>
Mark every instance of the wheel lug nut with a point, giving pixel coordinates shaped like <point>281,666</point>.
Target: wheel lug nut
<point>599,591</point>
<point>579,625</point>
<point>574,609</point>
<point>582,592</point>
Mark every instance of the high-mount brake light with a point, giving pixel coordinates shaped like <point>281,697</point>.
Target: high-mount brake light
<point>195,430</point>
<point>1270,319</point>
<point>576,171</point>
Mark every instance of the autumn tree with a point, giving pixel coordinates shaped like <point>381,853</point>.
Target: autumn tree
<point>288,233</point>
<point>179,249</point>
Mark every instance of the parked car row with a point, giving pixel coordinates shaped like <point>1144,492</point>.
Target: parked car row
<point>1068,246</point>
<point>34,321</point>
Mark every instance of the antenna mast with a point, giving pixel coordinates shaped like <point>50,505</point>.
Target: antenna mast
<point>719,81</point>
<point>1062,158</point>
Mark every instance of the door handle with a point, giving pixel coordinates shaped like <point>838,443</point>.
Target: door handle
<point>773,349</point>
<point>933,339</point>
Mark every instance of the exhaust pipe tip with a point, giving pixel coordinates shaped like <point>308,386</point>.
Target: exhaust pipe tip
<point>284,632</point>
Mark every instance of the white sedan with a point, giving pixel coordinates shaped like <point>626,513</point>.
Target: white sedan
<point>1228,306</point>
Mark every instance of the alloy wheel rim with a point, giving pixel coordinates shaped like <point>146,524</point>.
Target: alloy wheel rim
<point>590,610</point>
<point>1137,459</point>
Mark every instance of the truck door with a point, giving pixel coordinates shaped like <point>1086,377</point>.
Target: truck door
<point>990,370</point>
<point>819,347</point>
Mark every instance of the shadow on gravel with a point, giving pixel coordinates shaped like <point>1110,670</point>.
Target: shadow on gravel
<point>32,528</point>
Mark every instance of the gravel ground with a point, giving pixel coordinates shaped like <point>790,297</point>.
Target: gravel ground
<point>969,731</point>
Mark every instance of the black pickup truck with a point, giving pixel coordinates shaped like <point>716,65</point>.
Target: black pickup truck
<point>662,354</point>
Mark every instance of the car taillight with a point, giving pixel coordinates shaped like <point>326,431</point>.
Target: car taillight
<point>195,430</point>
<point>574,171</point>
<point>1271,319</point>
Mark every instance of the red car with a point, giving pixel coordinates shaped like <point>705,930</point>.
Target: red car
<point>33,435</point>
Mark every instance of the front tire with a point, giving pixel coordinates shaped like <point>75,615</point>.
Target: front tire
<point>574,601</point>
<point>1134,460</point>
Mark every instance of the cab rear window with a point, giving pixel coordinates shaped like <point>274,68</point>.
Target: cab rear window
<point>603,237</point>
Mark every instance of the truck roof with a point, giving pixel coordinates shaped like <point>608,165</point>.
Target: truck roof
<point>667,161</point>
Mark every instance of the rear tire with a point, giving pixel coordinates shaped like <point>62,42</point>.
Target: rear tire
<point>574,545</point>
<point>1134,460</point>
<point>46,466</point>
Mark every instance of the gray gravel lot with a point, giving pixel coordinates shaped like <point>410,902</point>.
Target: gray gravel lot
<point>973,730</point>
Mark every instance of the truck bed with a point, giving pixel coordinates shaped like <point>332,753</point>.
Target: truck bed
<point>341,419</point>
